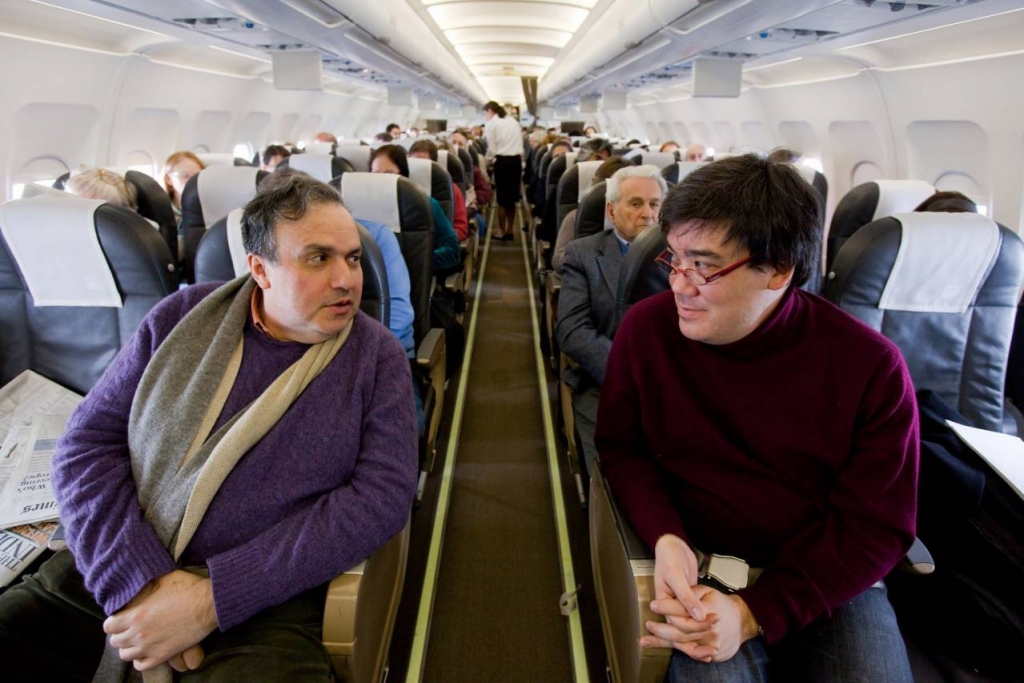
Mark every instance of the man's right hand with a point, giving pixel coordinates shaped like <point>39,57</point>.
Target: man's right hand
<point>675,575</point>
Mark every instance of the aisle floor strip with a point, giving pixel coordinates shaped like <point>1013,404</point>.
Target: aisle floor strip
<point>569,585</point>
<point>422,631</point>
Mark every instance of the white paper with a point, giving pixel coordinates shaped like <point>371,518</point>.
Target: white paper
<point>34,412</point>
<point>1004,452</point>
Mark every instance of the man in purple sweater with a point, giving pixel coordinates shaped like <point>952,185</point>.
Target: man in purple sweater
<point>743,417</point>
<point>273,407</point>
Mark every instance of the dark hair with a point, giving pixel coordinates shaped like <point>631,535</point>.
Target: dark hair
<point>397,154</point>
<point>427,146</point>
<point>765,205</point>
<point>383,137</point>
<point>607,169</point>
<point>390,126</point>
<point>594,146</point>
<point>948,202</point>
<point>496,108</point>
<point>275,151</point>
<point>784,155</point>
<point>287,194</point>
<point>561,143</point>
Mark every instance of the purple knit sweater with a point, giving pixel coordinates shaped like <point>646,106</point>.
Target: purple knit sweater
<point>330,483</point>
<point>795,448</point>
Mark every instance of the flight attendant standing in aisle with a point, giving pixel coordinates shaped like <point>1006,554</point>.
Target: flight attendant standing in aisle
<point>505,145</point>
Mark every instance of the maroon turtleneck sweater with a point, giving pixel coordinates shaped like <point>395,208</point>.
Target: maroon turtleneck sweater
<point>795,448</point>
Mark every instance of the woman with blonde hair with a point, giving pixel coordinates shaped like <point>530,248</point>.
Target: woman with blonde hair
<point>178,168</point>
<point>104,185</point>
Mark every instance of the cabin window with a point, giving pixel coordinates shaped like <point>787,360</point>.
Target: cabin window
<point>954,153</point>
<point>800,137</point>
<point>243,150</point>
<point>141,161</point>
<point>955,181</point>
<point>38,171</point>
<point>864,172</point>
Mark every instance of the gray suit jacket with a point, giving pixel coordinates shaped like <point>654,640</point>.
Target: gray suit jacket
<point>586,306</point>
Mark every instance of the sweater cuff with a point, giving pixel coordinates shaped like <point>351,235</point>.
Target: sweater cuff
<point>148,561</point>
<point>769,608</point>
<point>237,576</point>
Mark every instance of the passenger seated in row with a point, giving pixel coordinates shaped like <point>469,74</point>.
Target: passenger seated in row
<point>598,149</point>
<point>324,136</point>
<point>567,231</point>
<point>178,168</point>
<point>948,201</point>
<point>297,401</point>
<point>272,156</point>
<point>481,187</point>
<point>447,255</point>
<point>590,131</point>
<point>382,138</point>
<point>695,152</point>
<point>744,417</point>
<point>427,149</point>
<point>394,130</point>
<point>670,146</point>
<point>590,281</point>
<point>104,185</point>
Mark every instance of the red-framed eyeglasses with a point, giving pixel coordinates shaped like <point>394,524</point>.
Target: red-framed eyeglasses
<point>695,276</point>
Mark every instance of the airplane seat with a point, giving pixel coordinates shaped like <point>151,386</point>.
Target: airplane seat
<point>221,256</point>
<point>222,159</point>
<point>209,196</point>
<point>815,179</point>
<point>556,169</point>
<point>677,172</point>
<point>868,202</point>
<point>468,164</point>
<point>320,148</point>
<point>155,205</point>
<point>641,157</point>
<point>77,276</point>
<point>640,277</point>
<point>61,181</point>
<point>323,167</point>
<point>572,186</point>
<point>944,287</point>
<point>356,154</point>
<point>540,186</point>
<point>435,182</point>
<point>624,583</point>
<point>1015,372</point>
<point>398,203</point>
<point>590,215</point>
<point>453,164</point>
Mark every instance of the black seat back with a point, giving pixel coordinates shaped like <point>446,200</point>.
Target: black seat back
<point>556,169</point>
<point>677,172</point>
<point>572,186</point>
<point>640,276</point>
<point>397,202</point>
<point>959,350</point>
<point>73,345</point>
<point>590,216</point>
<point>155,205</point>
<point>435,182</point>
<point>323,167</point>
<point>451,162</point>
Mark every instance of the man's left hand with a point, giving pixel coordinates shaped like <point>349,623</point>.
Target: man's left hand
<point>734,626</point>
<point>167,618</point>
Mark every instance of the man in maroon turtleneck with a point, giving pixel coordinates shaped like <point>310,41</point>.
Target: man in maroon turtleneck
<point>742,416</point>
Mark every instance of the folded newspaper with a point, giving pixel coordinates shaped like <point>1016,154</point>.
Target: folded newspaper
<point>20,545</point>
<point>33,414</point>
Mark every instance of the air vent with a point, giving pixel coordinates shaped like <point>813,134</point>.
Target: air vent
<point>215,24</point>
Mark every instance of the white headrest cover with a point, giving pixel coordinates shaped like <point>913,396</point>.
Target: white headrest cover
<point>54,242</point>
<point>442,158</point>
<point>586,177</point>
<point>405,143</point>
<point>633,153</point>
<point>356,154</point>
<point>235,245</point>
<point>900,196</point>
<point>223,188</point>
<point>316,165</point>
<point>941,262</point>
<point>688,167</point>
<point>570,159</point>
<point>808,173</point>
<point>35,189</point>
<point>217,159</point>
<point>421,173</point>
<point>319,148</point>
<point>659,159</point>
<point>372,197</point>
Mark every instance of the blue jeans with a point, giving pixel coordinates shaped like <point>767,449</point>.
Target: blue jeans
<point>860,642</point>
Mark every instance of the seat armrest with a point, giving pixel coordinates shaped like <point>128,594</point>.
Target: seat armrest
<point>431,349</point>
<point>918,560</point>
<point>624,582</point>
<point>455,282</point>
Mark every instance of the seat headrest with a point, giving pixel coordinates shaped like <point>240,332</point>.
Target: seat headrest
<point>659,159</point>
<point>236,245</point>
<point>587,169</point>
<point>320,148</point>
<point>221,159</point>
<point>876,199</point>
<point>421,172</point>
<point>590,217</point>
<point>54,242</point>
<point>899,196</point>
<point>317,165</point>
<point>373,197</point>
<point>639,276</point>
<point>223,188</point>
<point>677,172</point>
<point>356,154</point>
<point>942,260</point>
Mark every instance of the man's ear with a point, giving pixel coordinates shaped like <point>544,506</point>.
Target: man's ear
<point>781,279</point>
<point>258,268</point>
<point>609,212</point>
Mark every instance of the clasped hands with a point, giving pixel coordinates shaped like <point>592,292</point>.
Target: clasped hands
<point>165,622</point>
<point>701,622</point>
